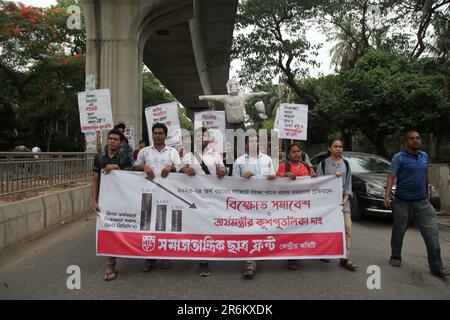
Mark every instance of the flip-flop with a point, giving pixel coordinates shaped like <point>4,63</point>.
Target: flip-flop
<point>110,276</point>
<point>348,264</point>
<point>249,273</point>
<point>148,265</point>
<point>165,264</point>
<point>293,265</point>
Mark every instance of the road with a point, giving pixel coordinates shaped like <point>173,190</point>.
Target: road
<point>37,270</point>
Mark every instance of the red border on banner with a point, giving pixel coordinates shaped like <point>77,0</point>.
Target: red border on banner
<point>134,244</point>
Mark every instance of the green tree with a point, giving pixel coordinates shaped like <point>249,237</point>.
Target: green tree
<point>42,69</point>
<point>344,52</point>
<point>385,94</point>
<point>272,42</point>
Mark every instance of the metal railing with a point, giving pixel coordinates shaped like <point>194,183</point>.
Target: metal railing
<point>26,171</point>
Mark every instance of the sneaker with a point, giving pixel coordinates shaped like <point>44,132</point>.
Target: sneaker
<point>443,274</point>
<point>204,270</point>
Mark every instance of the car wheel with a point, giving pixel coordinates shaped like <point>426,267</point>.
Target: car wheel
<point>355,209</point>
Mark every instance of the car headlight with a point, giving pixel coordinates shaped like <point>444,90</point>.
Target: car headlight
<point>375,190</point>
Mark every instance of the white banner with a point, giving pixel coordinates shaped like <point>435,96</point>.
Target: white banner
<point>203,217</point>
<point>167,114</point>
<point>292,121</point>
<point>95,110</point>
<point>214,121</point>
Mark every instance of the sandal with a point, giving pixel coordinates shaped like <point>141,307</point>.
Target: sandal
<point>110,274</point>
<point>293,265</point>
<point>249,273</point>
<point>348,264</point>
<point>165,264</point>
<point>148,265</point>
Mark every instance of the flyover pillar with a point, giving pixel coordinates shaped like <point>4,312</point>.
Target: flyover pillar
<point>113,56</point>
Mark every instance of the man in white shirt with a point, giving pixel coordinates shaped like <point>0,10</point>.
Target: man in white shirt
<point>253,164</point>
<point>208,162</point>
<point>157,159</point>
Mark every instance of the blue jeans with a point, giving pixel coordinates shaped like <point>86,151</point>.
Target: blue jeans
<point>423,215</point>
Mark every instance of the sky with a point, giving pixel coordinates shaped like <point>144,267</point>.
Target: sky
<point>313,35</point>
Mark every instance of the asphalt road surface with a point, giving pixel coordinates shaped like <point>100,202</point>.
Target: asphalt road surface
<point>37,270</point>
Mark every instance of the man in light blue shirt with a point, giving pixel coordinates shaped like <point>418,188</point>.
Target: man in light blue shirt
<point>253,164</point>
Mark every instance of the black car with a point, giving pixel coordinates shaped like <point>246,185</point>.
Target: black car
<point>369,176</point>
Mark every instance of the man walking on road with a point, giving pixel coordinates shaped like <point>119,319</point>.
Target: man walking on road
<point>411,204</point>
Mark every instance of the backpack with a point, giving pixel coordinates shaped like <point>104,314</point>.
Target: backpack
<point>288,166</point>
<point>347,166</point>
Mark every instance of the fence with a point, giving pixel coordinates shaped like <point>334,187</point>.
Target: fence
<point>26,171</point>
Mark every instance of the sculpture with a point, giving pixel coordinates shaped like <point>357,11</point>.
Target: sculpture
<point>234,103</point>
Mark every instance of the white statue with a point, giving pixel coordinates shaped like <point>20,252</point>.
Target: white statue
<point>234,103</point>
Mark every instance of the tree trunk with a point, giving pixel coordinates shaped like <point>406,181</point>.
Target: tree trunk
<point>379,146</point>
<point>347,139</point>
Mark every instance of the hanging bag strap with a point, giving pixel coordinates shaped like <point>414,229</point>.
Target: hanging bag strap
<point>202,164</point>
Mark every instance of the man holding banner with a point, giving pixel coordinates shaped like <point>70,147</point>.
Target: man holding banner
<point>157,159</point>
<point>107,161</point>
<point>206,163</point>
<point>253,164</point>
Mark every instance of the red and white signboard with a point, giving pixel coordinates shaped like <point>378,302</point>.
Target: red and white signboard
<point>167,114</point>
<point>291,121</point>
<point>202,217</point>
<point>95,110</point>
<point>214,121</point>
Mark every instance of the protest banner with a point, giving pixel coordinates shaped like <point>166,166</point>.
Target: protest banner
<point>167,114</point>
<point>291,121</point>
<point>130,134</point>
<point>203,217</point>
<point>95,110</point>
<point>214,121</point>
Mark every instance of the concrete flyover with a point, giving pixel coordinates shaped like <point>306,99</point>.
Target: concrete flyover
<point>185,43</point>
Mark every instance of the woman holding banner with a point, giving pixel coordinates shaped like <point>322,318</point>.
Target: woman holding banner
<point>292,168</point>
<point>335,164</point>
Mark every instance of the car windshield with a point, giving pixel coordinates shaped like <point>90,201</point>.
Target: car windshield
<point>367,163</point>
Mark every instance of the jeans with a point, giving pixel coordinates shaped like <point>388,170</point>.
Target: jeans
<point>423,215</point>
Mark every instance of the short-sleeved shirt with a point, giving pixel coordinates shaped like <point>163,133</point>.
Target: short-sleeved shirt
<point>157,160</point>
<point>300,171</point>
<point>120,158</point>
<point>261,166</point>
<point>411,173</point>
<point>211,159</point>
<point>331,169</point>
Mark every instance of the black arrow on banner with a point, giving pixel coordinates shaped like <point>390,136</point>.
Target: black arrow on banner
<point>191,205</point>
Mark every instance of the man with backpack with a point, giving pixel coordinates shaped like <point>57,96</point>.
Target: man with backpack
<point>109,159</point>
